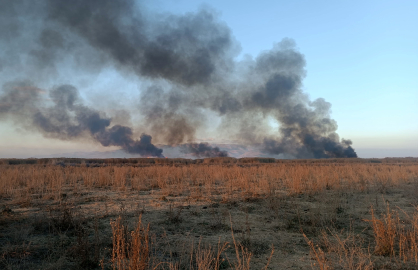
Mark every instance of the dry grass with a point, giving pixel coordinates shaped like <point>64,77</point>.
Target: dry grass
<point>395,236</point>
<point>50,181</point>
<point>328,214</point>
<point>133,251</point>
<point>130,252</point>
<point>340,252</point>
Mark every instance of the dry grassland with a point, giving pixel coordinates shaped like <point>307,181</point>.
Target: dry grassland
<point>209,214</point>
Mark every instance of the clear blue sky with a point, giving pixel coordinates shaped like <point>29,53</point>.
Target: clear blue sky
<point>362,57</point>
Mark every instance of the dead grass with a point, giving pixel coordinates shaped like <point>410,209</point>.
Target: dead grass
<point>133,251</point>
<point>130,252</point>
<point>321,214</point>
<point>48,181</point>
<point>340,251</point>
<point>396,236</point>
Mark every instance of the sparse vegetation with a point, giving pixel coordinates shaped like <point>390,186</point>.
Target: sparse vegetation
<point>217,213</point>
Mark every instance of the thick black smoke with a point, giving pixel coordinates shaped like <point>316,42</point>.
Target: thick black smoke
<point>202,150</point>
<point>189,63</point>
<point>67,118</point>
<point>187,49</point>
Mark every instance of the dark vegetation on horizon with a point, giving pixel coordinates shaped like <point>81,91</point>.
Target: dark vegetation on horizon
<point>185,161</point>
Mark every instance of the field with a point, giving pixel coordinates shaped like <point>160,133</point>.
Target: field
<point>214,213</point>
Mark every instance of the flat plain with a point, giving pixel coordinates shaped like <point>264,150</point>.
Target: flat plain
<point>214,213</point>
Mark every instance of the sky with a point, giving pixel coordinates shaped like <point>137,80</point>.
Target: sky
<point>361,56</point>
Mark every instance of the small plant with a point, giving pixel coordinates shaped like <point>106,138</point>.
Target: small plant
<point>339,252</point>
<point>174,216</point>
<point>395,237</point>
<point>63,220</point>
<point>130,252</point>
<point>385,232</point>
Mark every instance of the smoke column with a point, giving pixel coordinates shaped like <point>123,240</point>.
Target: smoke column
<point>190,63</point>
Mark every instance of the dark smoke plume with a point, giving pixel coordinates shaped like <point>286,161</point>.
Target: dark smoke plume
<point>191,74</point>
<point>202,150</point>
<point>68,118</point>
<point>187,49</point>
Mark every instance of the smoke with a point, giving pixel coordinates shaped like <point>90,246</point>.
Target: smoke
<point>67,118</point>
<point>202,150</point>
<point>189,64</point>
<point>184,49</point>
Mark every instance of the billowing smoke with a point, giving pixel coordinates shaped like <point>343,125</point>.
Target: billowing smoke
<point>203,150</point>
<point>67,118</point>
<point>187,49</point>
<point>189,62</point>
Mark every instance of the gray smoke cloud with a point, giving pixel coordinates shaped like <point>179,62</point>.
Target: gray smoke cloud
<point>184,49</point>
<point>190,63</point>
<point>67,118</point>
<point>203,150</point>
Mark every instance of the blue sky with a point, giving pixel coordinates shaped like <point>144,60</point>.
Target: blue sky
<point>362,57</point>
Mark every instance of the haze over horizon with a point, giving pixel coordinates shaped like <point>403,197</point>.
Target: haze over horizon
<point>270,73</point>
